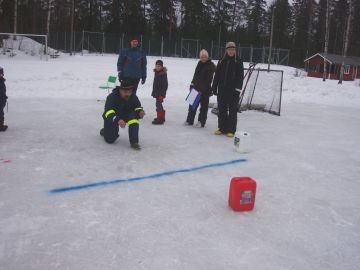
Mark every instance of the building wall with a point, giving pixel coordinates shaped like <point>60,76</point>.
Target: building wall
<point>318,61</point>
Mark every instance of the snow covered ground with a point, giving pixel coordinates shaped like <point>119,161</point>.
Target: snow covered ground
<point>306,164</point>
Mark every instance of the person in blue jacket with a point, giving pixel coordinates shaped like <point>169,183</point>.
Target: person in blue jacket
<point>131,64</point>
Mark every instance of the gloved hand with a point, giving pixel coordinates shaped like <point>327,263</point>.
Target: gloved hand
<point>143,80</point>
<point>191,86</point>
<point>160,99</point>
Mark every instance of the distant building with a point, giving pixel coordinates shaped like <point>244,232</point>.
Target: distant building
<point>314,66</point>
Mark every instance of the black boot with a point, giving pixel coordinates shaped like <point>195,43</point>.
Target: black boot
<point>2,126</point>
<point>102,132</point>
<point>136,146</point>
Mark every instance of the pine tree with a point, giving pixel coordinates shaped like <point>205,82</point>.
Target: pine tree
<point>255,14</point>
<point>162,17</point>
<point>282,24</point>
<point>303,20</point>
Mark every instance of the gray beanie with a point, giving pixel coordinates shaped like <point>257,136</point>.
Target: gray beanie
<point>230,44</point>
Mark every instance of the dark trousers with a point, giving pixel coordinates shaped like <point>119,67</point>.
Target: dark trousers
<point>159,106</point>
<point>2,107</point>
<point>227,116</point>
<point>134,82</point>
<point>204,107</point>
<point>111,130</point>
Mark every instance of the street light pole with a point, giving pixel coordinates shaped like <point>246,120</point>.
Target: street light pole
<point>72,27</point>
<point>271,38</point>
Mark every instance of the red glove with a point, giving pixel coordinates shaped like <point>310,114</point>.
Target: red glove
<point>160,99</point>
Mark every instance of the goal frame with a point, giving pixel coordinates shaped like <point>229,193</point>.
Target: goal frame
<point>249,105</point>
<point>31,35</point>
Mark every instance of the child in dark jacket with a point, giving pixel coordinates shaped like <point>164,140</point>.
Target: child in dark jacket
<point>160,87</point>
<point>3,99</point>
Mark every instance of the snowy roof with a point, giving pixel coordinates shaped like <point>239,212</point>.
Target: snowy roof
<point>337,59</point>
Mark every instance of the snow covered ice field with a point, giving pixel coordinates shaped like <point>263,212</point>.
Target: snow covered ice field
<point>306,163</point>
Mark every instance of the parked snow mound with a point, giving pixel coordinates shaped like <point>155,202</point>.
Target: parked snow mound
<point>32,46</point>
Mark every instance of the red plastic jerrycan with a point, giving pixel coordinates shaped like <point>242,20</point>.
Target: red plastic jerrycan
<point>242,194</point>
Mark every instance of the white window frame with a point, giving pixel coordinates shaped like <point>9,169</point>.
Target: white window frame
<point>347,69</point>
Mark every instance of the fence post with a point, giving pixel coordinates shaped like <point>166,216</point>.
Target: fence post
<point>251,54</point>
<point>212,46</point>
<point>141,41</point>
<point>82,43</point>
<point>46,49</point>
<point>65,41</point>
<point>181,48</point>
<point>197,48</point>
<point>149,51</point>
<point>103,45</point>
<point>162,46</point>
<point>263,55</point>
<point>122,41</point>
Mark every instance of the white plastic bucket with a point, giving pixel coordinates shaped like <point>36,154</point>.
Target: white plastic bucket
<point>242,141</point>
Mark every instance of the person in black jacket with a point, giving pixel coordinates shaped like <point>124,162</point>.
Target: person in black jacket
<point>201,82</point>
<point>3,99</point>
<point>160,87</point>
<point>122,107</point>
<point>227,84</point>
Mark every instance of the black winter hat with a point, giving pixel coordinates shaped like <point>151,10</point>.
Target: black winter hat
<point>160,63</point>
<point>1,71</point>
<point>126,85</point>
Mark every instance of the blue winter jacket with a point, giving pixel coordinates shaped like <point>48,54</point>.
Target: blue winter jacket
<point>3,96</point>
<point>132,64</point>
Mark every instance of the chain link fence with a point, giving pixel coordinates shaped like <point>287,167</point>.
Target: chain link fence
<point>98,42</point>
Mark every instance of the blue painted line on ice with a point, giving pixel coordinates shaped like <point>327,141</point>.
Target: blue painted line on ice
<point>143,178</point>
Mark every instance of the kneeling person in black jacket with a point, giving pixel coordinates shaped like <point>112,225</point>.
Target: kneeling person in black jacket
<point>122,107</point>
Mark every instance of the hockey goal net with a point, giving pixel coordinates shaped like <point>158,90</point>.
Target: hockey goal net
<point>262,90</point>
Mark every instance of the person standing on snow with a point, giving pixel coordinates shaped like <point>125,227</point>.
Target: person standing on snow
<point>201,82</point>
<point>122,107</point>
<point>131,64</point>
<point>227,84</point>
<point>3,100</point>
<point>160,87</point>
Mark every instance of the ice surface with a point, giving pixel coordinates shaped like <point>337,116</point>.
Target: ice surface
<point>306,163</point>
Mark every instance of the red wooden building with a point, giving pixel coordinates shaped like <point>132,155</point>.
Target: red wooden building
<point>314,66</point>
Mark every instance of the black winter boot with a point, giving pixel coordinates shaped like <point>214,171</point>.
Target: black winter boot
<point>2,126</point>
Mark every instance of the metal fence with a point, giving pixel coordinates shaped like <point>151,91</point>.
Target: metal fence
<point>98,42</point>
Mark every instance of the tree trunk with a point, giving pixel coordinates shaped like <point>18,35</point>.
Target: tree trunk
<point>72,27</point>
<point>346,42</point>
<point>326,45</point>
<point>48,18</point>
<point>15,16</point>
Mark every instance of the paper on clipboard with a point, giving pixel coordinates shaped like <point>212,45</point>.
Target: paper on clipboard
<point>193,98</point>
